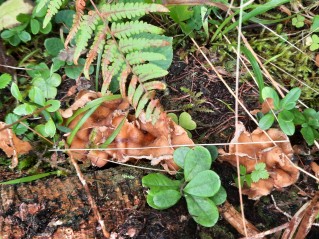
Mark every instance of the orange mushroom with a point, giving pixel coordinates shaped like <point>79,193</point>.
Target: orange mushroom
<point>137,139</point>
<point>256,147</point>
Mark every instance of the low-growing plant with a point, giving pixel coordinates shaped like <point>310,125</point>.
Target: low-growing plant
<point>298,21</point>
<point>39,94</point>
<point>258,173</point>
<point>200,186</point>
<point>288,116</point>
<point>185,121</point>
<point>28,24</point>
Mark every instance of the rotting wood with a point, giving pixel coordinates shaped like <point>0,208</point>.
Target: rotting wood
<point>233,217</point>
<point>58,208</point>
<point>55,208</point>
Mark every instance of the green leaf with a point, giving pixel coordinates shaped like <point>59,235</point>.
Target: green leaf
<point>257,71</point>
<point>65,17</point>
<point>166,198</point>
<point>18,129</point>
<point>150,199</point>
<point>308,135</point>
<point>197,160</point>
<point>299,119</point>
<point>266,121</point>
<point>36,95</point>
<point>287,127</point>
<point>269,92</point>
<point>220,197</point>
<point>242,170</point>
<point>14,40</point>
<point>35,26</point>
<point>24,36</point>
<point>260,172</point>
<point>286,115</point>
<point>24,109</point>
<point>180,155</point>
<point>47,29</point>
<point>6,34</point>
<point>292,97</point>
<point>213,151</point>
<point>185,120</point>
<point>5,79</point>
<point>310,113</point>
<point>53,46</point>
<point>315,24</point>
<point>48,86</point>
<point>50,128</point>
<point>180,13</point>
<point>39,70</point>
<point>203,210</point>
<point>173,117</point>
<point>157,181</point>
<point>74,71</point>
<point>10,9</point>
<point>204,184</point>
<point>262,8</point>
<point>15,92</point>
<point>30,178</point>
<point>55,105</point>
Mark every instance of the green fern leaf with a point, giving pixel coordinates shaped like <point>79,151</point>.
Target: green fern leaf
<point>135,58</point>
<point>127,29</point>
<point>131,88</point>
<point>118,11</point>
<point>136,44</point>
<point>143,101</point>
<point>150,109</point>
<point>96,47</point>
<point>149,71</point>
<point>53,8</point>
<point>87,26</point>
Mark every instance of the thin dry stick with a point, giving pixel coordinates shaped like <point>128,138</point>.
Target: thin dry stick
<point>90,198</point>
<point>271,231</point>
<point>25,117</point>
<point>236,115</point>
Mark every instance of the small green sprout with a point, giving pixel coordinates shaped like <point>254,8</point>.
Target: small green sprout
<point>185,121</point>
<point>258,173</point>
<point>298,21</point>
<point>314,42</point>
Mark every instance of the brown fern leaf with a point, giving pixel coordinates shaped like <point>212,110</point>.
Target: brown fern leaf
<point>79,8</point>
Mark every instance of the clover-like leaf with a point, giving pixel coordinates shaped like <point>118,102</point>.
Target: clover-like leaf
<point>220,197</point>
<point>185,120</point>
<point>24,109</point>
<point>48,85</point>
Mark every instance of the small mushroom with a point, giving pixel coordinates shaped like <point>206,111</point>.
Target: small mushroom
<point>256,147</point>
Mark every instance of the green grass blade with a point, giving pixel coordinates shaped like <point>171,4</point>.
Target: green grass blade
<point>30,178</point>
<point>114,134</point>
<point>81,122</point>
<point>92,104</point>
<point>262,8</point>
<point>256,69</point>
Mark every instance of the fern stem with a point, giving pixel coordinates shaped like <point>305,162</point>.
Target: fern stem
<point>97,72</point>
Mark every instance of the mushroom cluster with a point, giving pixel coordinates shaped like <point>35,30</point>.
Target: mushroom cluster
<point>257,147</point>
<point>137,139</point>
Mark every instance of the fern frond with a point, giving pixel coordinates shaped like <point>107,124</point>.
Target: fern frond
<point>87,26</point>
<point>148,71</point>
<point>127,29</point>
<point>137,44</point>
<point>53,8</point>
<point>136,57</point>
<point>96,47</point>
<point>118,11</point>
<point>79,8</point>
